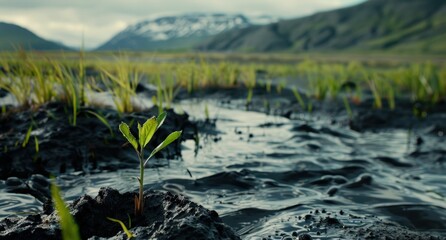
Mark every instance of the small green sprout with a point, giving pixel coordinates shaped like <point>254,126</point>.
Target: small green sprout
<point>206,112</point>
<point>70,230</point>
<point>124,228</point>
<point>145,134</point>
<point>36,144</point>
<point>27,136</point>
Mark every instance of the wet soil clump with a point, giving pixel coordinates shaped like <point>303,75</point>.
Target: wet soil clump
<point>45,141</point>
<point>166,216</point>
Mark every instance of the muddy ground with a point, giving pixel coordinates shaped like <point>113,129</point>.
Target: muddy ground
<point>89,148</point>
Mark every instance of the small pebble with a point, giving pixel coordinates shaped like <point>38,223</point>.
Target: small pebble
<point>13,181</point>
<point>305,236</point>
<point>41,180</point>
<point>332,191</point>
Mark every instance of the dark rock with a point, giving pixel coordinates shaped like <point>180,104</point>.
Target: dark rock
<point>3,92</point>
<point>331,221</point>
<point>166,216</point>
<point>14,182</point>
<point>332,191</point>
<point>37,186</point>
<point>419,141</point>
<point>305,236</point>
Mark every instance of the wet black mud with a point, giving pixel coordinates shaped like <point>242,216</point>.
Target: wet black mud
<point>166,216</point>
<point>88,146</point>
<point>270,168</point>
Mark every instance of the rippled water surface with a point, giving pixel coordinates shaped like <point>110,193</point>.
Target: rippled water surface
<point>260,173</point>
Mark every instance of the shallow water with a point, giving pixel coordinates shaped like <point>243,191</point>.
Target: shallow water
<point>261,172</point>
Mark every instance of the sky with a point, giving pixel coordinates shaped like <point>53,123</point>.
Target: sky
<point>98,20</point>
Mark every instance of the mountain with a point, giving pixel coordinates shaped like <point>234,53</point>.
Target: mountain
<point>375,25</point>
<point>178,32</point>
<point>13,36</point>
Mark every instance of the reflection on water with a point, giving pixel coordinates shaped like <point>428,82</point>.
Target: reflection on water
<point>18,204</point>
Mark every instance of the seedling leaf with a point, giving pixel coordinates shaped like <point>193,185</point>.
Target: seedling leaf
<point>70,230</point>
<point>125,130</point>
<point>169,139</point>
<point>124,228</point>
<point>160,119</point>
<point>146,131</point>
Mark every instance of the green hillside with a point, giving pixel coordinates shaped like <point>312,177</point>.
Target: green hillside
<point>375,25</point>
<point>13,37</point>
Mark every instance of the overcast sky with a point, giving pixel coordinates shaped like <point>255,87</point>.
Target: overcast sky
<point>65,21</point>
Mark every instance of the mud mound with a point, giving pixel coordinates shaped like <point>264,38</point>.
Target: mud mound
<point>166,216</point>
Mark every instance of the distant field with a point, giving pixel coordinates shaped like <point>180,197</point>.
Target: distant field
<point>387,77</point>
<point>367,58</point>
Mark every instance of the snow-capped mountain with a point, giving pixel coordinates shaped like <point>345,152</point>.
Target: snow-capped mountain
<point>179,31</point>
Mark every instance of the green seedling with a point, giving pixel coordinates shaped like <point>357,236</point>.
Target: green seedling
<point>298,98</point>
<point>103,120</point>
<point>82,72</point>
<point>124,228</point>
<point>27,136</point>
<point>376,95</point>
<point>70,230</point>
<point>249,97</point>
<point>310,107</point>
<point>206,112</point>
<point>268,86</point>
<point>347,107</point>
<point>36,144</point>
<point>145,134</point>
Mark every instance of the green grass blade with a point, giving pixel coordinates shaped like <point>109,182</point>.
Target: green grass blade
<point>103,120</point>
<point>70,230</point>
<point>299,98</point>
<point>347,107</point>
<point>27,136</point>
<point>124,228</point>
<point>36,144</point>
<point>160,119</point>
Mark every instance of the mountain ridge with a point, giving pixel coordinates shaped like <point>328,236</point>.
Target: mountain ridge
<point>396,25</point>
<point>13,36</point>
<point>178,31</point>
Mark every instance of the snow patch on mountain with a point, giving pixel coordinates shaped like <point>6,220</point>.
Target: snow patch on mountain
<point>191,25</point>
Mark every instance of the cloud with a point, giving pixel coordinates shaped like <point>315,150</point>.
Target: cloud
<point>99,20</point>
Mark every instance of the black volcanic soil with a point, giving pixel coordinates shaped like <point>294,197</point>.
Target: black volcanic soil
<point>90,147</point>
<point>166,216</point>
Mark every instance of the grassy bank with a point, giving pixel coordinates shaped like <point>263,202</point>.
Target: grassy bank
<point>39,77</point>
